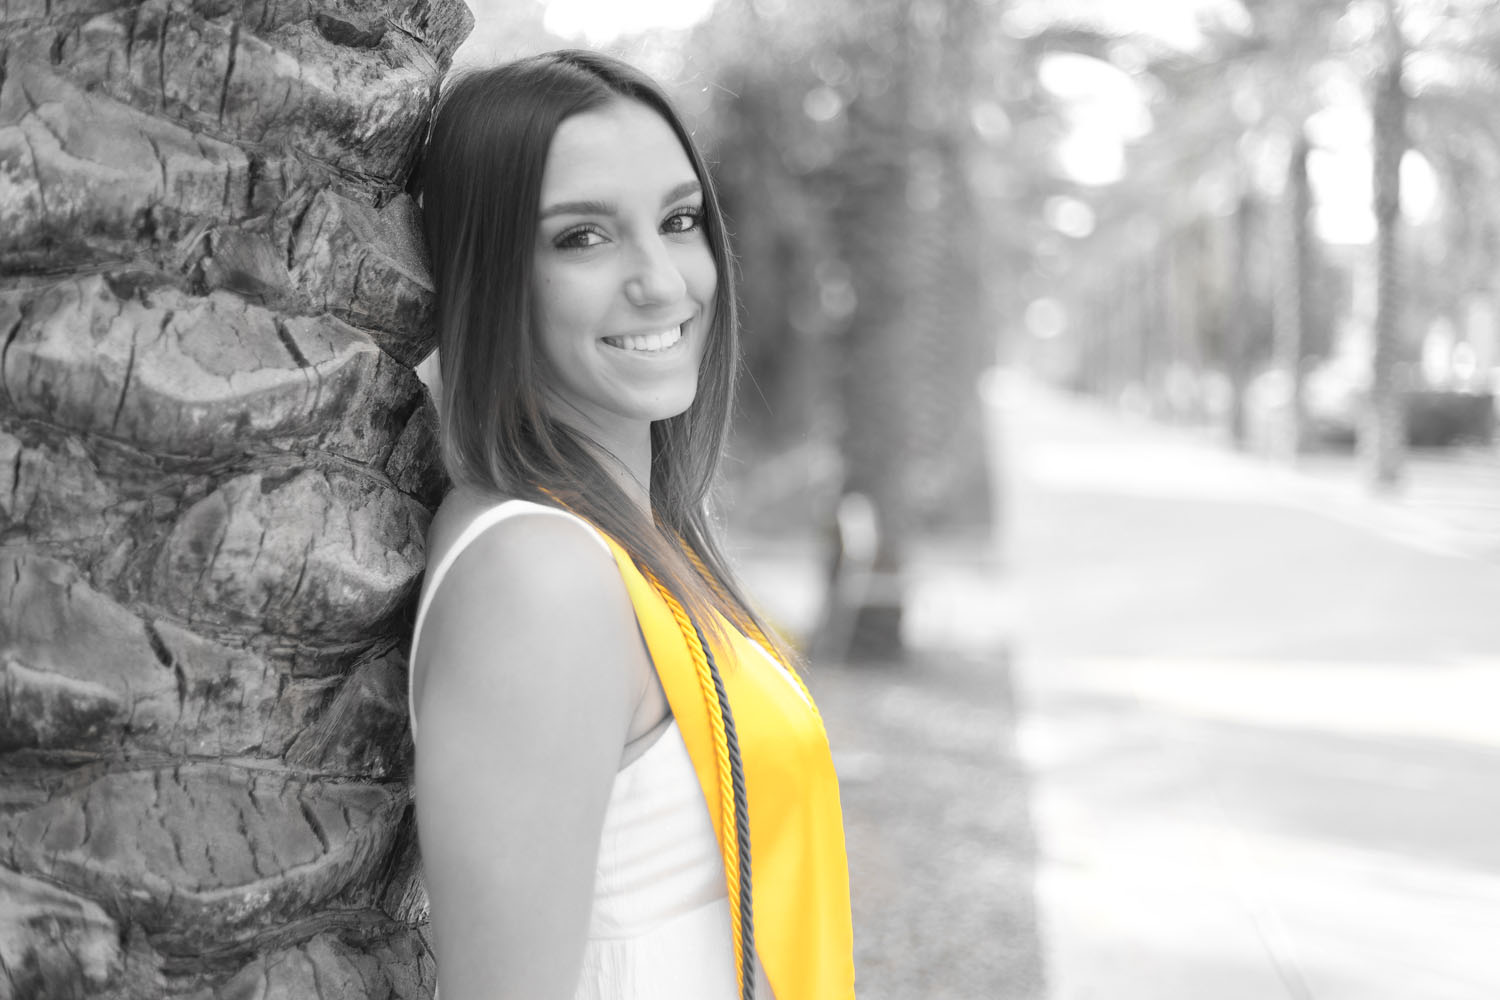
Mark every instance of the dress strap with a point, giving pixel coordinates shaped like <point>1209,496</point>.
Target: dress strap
<point>481,523</point>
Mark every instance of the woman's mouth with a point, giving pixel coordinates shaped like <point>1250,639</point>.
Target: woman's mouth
<point>647,343</point>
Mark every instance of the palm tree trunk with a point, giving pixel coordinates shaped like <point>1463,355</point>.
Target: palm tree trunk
<point>216,470</point>
<point>875,396</point>
<point>1384,437</point>
<point>949,341</point>
<point>873,228</point>
<point>1292,294</point>
<point>1240,320</point>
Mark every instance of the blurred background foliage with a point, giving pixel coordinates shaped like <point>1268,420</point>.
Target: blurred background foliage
<point>1277,216</point>
<point>1274,214</point>
<point>853,164</point>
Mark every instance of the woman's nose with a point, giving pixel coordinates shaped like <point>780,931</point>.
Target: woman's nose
<point>655,278</point>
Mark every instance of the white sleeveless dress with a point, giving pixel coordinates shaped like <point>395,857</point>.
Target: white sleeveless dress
<point>660,927</point>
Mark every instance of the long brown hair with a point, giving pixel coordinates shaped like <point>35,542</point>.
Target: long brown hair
<point>480,184</point>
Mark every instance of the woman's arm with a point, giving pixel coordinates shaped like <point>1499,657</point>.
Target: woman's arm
<point>531,666</point>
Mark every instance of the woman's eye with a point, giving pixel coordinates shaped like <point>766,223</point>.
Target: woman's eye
<point>683,220</point>
<point>579,239</point>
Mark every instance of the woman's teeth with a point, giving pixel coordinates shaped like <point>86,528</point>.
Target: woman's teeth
<point>647,341</point>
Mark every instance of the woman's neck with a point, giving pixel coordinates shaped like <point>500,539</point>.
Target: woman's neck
<point>621,447</point>
<point>628,463</point>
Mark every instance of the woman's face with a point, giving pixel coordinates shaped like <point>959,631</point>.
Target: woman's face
<point>624,281</point>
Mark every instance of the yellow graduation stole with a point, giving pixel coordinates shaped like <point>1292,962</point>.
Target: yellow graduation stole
<point>800,878</point>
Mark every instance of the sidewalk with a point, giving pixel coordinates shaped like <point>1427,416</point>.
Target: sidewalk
<point>1257,710</point>
<point>1448,502</point>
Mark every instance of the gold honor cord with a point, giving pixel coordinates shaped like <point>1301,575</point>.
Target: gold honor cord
<point>734,811</point>
<point>751,629</point>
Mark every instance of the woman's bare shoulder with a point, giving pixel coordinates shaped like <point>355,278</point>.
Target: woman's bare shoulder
<point>457,511</point>
<point>533,567</point>
<point>534,670</point>
<point>533,587</point>
<point>530,541</point>
<point>463,509</point>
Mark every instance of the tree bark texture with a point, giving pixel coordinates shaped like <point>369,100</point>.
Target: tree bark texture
<point>216,471</point>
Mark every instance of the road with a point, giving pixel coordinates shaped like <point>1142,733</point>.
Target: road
<point>1259,718</point>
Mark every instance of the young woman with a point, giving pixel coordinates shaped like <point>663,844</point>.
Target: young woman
<point>622,789</point>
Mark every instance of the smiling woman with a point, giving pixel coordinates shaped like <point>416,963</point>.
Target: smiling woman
<point>624,279</point>
<point>580,637</point>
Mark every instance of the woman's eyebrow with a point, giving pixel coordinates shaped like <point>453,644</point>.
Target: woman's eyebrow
<point>578,208</point>
<point>590,207</point>
<point>682,191</point>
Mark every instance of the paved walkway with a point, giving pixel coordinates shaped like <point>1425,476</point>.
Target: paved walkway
<point>1258,713</point>
<point>1449,503</point>
<point>1250,717</point>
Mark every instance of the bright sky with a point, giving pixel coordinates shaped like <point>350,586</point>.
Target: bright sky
<point>507,29</point>
<point>600,21</point>
<point>1106,110</point>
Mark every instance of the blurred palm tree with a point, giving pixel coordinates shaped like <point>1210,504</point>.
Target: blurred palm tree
<point>846,138</point>
<point>1227,115</point>
<point>1434,88</point>
<point>1221,117</point>
<point>1454,88</point>
<point>216,469</point>
<point>1384,436</point>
